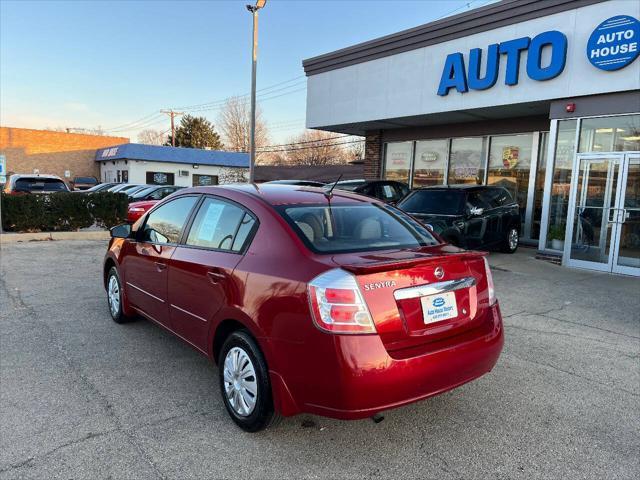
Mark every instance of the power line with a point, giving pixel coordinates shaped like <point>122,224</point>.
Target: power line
<point>308,141</point>
<point>172,114</point>
<point>320,145</point>
<point>262,99</point>
<point>141,120</point>
<point>222,100</point>
<point>149,120</point>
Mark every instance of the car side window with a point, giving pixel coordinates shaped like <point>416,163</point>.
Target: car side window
<point>501,197</point>
<point>159,194</point>
<point>475,199</point>
<point>164,225</point>
<point>245,228</point>
<point>220,225</point>
<point>387,192</point>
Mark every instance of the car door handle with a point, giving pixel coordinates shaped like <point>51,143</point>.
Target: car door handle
<point>216,276</point>
<point>160,266</point>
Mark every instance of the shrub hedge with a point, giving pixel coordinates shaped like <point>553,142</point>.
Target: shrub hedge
<point>62,211</point>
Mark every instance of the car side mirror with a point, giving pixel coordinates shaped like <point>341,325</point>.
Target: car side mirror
<point>121,231</point>
<point>476,211</point>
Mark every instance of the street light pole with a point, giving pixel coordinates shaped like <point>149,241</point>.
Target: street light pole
<point>254,66</point>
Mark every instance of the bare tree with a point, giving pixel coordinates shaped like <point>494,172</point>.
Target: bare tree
<point>233,175</point>
<point>152,137</point>
<point>355,151</point>
<point>315,147</point>
<point>234,122</point>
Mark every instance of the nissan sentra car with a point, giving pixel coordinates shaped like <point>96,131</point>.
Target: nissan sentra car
<point>309,300</point>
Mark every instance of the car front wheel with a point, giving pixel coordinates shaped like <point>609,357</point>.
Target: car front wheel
<point>512,240</point>
<point>244,383</point>
<point>114,297</point>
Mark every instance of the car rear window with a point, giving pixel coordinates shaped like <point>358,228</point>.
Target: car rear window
<point>436,202</point>
<point>355,228</point>
<point>39,185</point>
<point>351,187</point>
<point>143,193</point>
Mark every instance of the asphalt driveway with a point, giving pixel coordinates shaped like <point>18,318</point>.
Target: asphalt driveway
<point>82,397</point>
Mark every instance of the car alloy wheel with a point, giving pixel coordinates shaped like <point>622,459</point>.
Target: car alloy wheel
<point>513,239</point>
<point>240,383</point>
<point>113,295</point>
<point>115,298</point>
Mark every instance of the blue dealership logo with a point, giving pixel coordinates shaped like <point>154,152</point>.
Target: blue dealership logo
<point>614,43</point>
<point>438,302</point>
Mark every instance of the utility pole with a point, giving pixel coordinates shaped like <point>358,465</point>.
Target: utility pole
<point>254,65</point>
<point>172,115</point>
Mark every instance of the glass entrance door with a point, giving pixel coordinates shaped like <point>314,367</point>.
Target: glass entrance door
<point>627,255</point>
<point>604,228</point>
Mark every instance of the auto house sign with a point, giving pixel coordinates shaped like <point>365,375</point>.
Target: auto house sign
<point>614,43</point>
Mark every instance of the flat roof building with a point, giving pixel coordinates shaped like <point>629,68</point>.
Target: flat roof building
<point>542,97</point>
<point>159,165</point>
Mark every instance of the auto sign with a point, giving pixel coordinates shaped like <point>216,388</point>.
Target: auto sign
<point>614,43</point>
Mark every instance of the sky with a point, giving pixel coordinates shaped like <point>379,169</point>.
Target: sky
<point>116,64</point>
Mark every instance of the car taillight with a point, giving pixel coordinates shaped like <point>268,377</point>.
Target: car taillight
<point>136,209</point>
<point>337,306</point>
<point>492,291</point>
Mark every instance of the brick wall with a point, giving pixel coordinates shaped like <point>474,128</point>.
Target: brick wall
<point>53,152</point>
<point>373,155</point>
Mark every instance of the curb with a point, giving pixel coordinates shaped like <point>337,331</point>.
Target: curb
<point>50,236</point>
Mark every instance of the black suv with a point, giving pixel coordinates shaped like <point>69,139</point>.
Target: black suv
<point>389,191</point>
<point>468,216</point>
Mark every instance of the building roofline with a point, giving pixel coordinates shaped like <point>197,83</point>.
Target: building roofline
<point>488,17</point>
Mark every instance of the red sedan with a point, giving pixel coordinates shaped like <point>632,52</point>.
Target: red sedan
<point>309,301</point>
<point>136,209</point>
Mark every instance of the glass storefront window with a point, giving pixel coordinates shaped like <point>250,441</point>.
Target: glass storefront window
<point>510,165</point>
<point>563,163</point>
<point>539,186</point>
<point>430,163</point>
<point>397,161</point>
<point>466,160</point>
<point>610,134</point>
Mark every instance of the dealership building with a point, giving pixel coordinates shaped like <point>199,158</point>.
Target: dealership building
<point>541,97</point>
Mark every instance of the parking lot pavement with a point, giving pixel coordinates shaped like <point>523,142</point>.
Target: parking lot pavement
<point>82,397</point>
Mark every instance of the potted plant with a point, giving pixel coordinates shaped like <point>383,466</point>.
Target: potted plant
<point>556,235</point>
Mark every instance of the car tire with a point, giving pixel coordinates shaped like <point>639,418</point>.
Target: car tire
<point>114,297</point>
<point>511,240</point>
<point>244,383</point>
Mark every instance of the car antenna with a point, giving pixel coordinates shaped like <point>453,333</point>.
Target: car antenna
<point>329,193</point>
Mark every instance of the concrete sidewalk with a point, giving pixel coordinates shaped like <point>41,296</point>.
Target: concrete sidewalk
<point>9,237</point>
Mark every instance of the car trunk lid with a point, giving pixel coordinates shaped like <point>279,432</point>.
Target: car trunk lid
<point>418,297</point>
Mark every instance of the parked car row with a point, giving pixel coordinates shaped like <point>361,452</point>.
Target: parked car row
<point>309,300</point>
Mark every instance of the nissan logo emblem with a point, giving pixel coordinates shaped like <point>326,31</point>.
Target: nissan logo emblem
<point>439,273</point>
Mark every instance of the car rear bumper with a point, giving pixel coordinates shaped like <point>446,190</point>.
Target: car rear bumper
<point>367,380</point>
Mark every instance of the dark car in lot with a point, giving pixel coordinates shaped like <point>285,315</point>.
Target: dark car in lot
<point>389,191</point>
<point>31,183</point>
<point>326,303</point>
<point>101,187</point>
<point>468,216</point>
<point>300,183</point>
<point>84,183</point>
